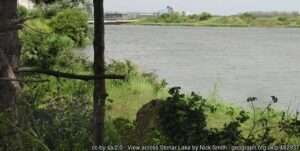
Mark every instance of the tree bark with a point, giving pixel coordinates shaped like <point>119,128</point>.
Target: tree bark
<point>9,55</point>
<point>99,70</point>
<point>9,60</point>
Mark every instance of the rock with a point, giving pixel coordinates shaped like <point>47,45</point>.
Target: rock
<point>147,120</point>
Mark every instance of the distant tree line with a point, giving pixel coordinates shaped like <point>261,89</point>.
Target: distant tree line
<point>273,13</point>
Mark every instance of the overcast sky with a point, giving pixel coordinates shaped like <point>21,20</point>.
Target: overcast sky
<point>213,6</point>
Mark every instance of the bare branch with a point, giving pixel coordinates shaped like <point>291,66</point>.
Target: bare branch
<point>22,80</point>
<point>68,75</point>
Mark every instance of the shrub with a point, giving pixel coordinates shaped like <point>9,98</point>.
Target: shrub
<point>183,120</point>
<point>125,129</point>
<point>205,16</point>
<point>42,47</point>
<point>282,19</point>
<point>73,23</point>
<point>201,17</point>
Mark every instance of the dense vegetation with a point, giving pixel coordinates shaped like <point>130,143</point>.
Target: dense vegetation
<point>56,114</point>
<point>252,19</point>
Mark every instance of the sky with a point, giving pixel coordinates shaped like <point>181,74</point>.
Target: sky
<point>220,7</point>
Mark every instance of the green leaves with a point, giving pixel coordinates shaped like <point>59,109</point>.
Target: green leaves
<point>182,119</point>
<point>73,23</point>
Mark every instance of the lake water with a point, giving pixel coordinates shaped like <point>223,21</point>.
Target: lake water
<point>240,62</point>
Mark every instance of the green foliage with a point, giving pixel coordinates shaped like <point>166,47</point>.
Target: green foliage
<point>60,111</point>
<point>183,120</point>
<point>282,18</point>
<point>69,2</point>
<point>58,114</point>
<point>126,130</point>
<point>290,125</point>
<point>133,73</point>
<point>247,17</point>
<point>112,136</point>
<point>122,68</point>
<point>73,23</point>
<point>171,18</point>
<point>51,10</point>
<point>43,48</point>
<point>177,17</point>
<point>22,11</point>
<point>256,19</point>
<point>46,12</point>
<point>129,95</point>
<point>203,16</point>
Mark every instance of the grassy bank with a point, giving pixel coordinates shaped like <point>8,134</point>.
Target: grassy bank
<point>205,19</point>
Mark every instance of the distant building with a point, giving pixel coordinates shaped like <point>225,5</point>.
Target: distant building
<point>26,3</point>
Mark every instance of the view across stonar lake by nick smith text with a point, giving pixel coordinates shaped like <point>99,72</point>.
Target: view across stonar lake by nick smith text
<point>149,75</point>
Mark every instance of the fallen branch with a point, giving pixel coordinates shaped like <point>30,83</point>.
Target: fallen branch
<point>59,74</point>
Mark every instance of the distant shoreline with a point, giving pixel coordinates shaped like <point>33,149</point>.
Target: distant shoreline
<point>208,20</point>
<point>207,25</point>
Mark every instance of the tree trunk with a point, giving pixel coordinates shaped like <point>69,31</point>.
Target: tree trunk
<point>9,54</point>
<point>99,69</point>
<point>9,59</point>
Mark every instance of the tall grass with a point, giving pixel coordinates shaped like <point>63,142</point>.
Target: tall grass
<point>127,97</point>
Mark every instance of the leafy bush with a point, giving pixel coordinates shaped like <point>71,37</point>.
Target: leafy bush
<point>183,120</point>
<point>125,130</point>
<point>42,47</point>
<point>73,23</point>
<point>57,117</point>
<point>282,19</point>
<point>205,16</point>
